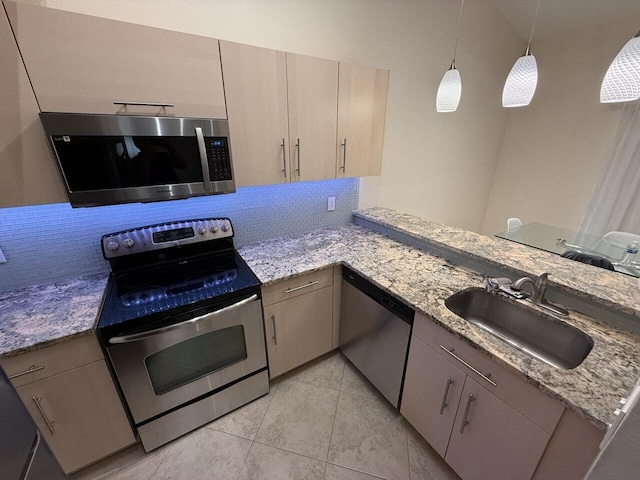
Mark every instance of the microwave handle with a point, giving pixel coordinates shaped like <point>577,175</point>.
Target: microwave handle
<point>203,159</point>
<point>144,335</point>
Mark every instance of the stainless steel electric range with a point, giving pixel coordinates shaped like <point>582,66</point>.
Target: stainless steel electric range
<point>181,323</point>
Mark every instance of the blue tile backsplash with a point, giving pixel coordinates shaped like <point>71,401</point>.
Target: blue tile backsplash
<point>47,243</point>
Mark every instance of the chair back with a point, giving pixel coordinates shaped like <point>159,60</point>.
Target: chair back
<point>513,223</point>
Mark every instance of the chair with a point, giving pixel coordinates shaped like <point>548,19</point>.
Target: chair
<point>594,260</point>
<point>513,223</point>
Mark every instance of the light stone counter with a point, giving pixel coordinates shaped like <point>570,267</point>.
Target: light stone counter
<point>424,281</point>
<point>38,316</point>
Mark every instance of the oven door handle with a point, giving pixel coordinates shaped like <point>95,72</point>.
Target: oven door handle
<point>143,335</point>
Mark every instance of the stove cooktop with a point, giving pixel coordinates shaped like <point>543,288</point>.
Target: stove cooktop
<point>145,294</point>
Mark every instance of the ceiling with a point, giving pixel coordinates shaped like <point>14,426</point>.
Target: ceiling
<point>557,16</point>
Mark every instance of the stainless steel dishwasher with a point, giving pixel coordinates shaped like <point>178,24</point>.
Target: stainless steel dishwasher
<point>374,334</point>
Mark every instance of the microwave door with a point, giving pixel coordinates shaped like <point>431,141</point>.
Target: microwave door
<point>204,161</point>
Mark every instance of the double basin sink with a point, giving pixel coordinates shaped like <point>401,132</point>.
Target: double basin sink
<point>537,334</point>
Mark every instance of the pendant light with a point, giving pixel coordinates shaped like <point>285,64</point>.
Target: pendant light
<point>523,77</point>
<point>450,89</point>
<point>622,80</point>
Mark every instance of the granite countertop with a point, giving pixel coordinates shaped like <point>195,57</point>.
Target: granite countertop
<point>424,281</point>
<point>38,316</point>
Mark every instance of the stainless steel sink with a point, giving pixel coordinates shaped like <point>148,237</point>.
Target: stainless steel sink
<point>537,334</point>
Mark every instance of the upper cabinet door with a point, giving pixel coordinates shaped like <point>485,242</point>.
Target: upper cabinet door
<point>255,81</point>
<point>313,111</point>
<point>362,108</point>
<point>83,64</point>
<point>29,173</point>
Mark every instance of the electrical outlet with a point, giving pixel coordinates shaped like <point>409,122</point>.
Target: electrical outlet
<point>2,257</point>
<point>331,204</point>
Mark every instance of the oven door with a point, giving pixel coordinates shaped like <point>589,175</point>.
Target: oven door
<point>167,367</point>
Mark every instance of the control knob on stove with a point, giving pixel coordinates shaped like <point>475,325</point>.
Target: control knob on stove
<point>214,227</point>
<point>225,226</point>
<point>113,246</point>
<point>202,230</point>
<point>128,242</point>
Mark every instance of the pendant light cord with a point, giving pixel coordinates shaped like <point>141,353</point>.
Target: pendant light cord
<point>455,47</point>
<point>533,26</point>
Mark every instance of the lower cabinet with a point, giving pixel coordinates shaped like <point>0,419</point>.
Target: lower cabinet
<point>298,315</point>
<point>485,421</point>
<point>69,392</point>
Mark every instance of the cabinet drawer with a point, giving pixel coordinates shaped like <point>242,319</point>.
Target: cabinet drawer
<point>539,408</point>
<point>296,286</point>
<point>53,360</point>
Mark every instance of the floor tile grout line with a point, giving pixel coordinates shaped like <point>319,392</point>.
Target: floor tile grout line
<point>164,457</point>
<point>357,471</point>
<point>289,451</point>
<point>244,460</point>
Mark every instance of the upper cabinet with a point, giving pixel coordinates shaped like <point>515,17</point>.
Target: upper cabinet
<point>312,85</point>
<point>29,173</point>
<point>84,64</point>
<point>255,82</point>
<point>362,109</point>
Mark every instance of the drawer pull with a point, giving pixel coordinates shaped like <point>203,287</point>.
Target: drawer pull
<point>275,334</point>
<point>465,420</point>
<point>477,372</point>
<point>32,368</point>
<point>49,423</point>
<point>143,104</point>
<point>444,405</point>
<point>310,284</point>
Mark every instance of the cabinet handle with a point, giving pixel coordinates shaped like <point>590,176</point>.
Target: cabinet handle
<point>32,368</point>
<point>49,423</point>
<point>298,149</point>
<point>477,372</point>
<point>284,159</point>
<point>344,155</point>
<point>444,405</point>
<point>310,284</point>
<point>465,422</point>
<point>143,104</point>
<point>275,334</point>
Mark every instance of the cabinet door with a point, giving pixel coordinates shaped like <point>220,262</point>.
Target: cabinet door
<point>432,389</point>
<point>298,330</point>
<point>29,173</point>
<point>313,114</point>
<point>362,109</point>
<point>497,442</point>
<point>86,416</point>
<point>80,63</point>
<point>255,82</point>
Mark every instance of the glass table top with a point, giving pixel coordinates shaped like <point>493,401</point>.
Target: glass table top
<point>558,240</point>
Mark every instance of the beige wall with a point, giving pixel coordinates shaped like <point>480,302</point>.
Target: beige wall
<point>439,166</point>
<point>553,151</point>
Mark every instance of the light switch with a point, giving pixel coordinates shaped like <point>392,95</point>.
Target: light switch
<point>3,259</point>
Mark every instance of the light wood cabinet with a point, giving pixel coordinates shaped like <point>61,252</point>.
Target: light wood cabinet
<point>362,109</point>
<point>83,64</point>
<point>298,315</point>
<point>29,173</point>
<point>255,81</point>
<point>74,404</point>
<point>312,85</point>
<point>479,417</point>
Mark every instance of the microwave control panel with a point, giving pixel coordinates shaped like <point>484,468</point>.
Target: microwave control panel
<point>219,158</point>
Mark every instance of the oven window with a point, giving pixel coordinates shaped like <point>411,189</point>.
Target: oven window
<point>194,358</point>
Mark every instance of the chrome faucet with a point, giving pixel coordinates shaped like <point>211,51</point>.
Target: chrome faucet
<point>538,289</point>
<point>538,286</point>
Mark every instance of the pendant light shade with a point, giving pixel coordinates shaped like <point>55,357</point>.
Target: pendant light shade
<point>450,89</point>
<point>622,80</point>
<point>523,78</point>
<point>521,83</point>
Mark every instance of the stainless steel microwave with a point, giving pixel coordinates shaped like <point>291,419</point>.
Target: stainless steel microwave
<point>111,159</point>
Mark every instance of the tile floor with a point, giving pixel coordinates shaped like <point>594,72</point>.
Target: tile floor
<point>321,421</point>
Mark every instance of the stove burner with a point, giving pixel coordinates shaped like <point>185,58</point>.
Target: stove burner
<point>137,298</point>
